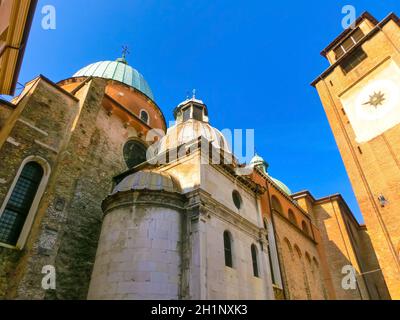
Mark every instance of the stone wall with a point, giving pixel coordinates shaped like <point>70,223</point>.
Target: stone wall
<point>221,188</point>
<point>5,112</point>
<point>210,212</point>
<point>83,145</point>
<point>239,282</point>
<point>139,252</point>
<point>30,133</point>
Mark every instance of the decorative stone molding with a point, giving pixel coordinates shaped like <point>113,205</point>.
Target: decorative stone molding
<point>141,198</point>
<point>46,146</point>
<point>209,208</point>
<point>32,126</point>
<point>13,141</point>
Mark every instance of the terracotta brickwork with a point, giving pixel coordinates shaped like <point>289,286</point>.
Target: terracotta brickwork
<point>346,243</point>
<point>373,166</point>
<point>301,265</point>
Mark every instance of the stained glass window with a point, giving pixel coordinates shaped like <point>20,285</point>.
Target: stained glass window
<point>13,218</point>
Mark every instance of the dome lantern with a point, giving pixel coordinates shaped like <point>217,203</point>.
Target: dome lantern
<point>191,123</point>
<point>259,162</point>
<point>191,109</point>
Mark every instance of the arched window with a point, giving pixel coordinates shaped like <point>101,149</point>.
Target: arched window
<point>134,153</point>
<point>308,259</point>
<point>289,247</point>
<point>298,251</point>
<point>292,217</point>
<point>254,257</point>
<point>237,199</point>
<point>144,116</point>
<point>228,249</point>
<point>315,262</point>
<point>16,211</point>
<point>276,205</point>
<point>305,229</point>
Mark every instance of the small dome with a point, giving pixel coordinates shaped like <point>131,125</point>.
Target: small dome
<point>283,186</point>
<point>148,180</point>
<point>118,70</point>
<point>258,161</point>
<point>188,131</point>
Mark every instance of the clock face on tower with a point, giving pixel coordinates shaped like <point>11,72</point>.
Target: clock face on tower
<point>373,103</point>
<point>377,99</point>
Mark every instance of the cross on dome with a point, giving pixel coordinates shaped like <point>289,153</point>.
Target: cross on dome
<point>125,51</point>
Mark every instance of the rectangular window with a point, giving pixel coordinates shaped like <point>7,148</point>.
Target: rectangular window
<point>348,43</point>
<point>197,113</point>
<point>339,52</point>
<point>357,35</point>
<point>228,250</point>
<point>186,114</point>
<point>254,257</point>
<point>353,60</point>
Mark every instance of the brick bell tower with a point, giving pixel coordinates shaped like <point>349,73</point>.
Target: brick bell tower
<point>360,92</point>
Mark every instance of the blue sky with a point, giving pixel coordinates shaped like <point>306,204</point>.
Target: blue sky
<point>251,62</point>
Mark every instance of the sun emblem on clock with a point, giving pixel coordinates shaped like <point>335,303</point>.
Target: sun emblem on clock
<point>376,99</point>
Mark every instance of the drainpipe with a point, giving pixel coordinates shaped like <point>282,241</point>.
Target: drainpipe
<point>277,249</point>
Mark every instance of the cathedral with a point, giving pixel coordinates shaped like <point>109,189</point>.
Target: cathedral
<point>95,185</point>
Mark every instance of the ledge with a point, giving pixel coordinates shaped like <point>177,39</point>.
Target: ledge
<point>7,246</point>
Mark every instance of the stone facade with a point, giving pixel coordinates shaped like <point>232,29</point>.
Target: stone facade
<point>160,246</point>
<point>165,238</point>
<point>82,144</point>
<point>139,251</point>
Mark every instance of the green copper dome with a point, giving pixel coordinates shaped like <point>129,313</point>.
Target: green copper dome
<point>258,161</point>
<point>118,70</point>
<point>283,186</point>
